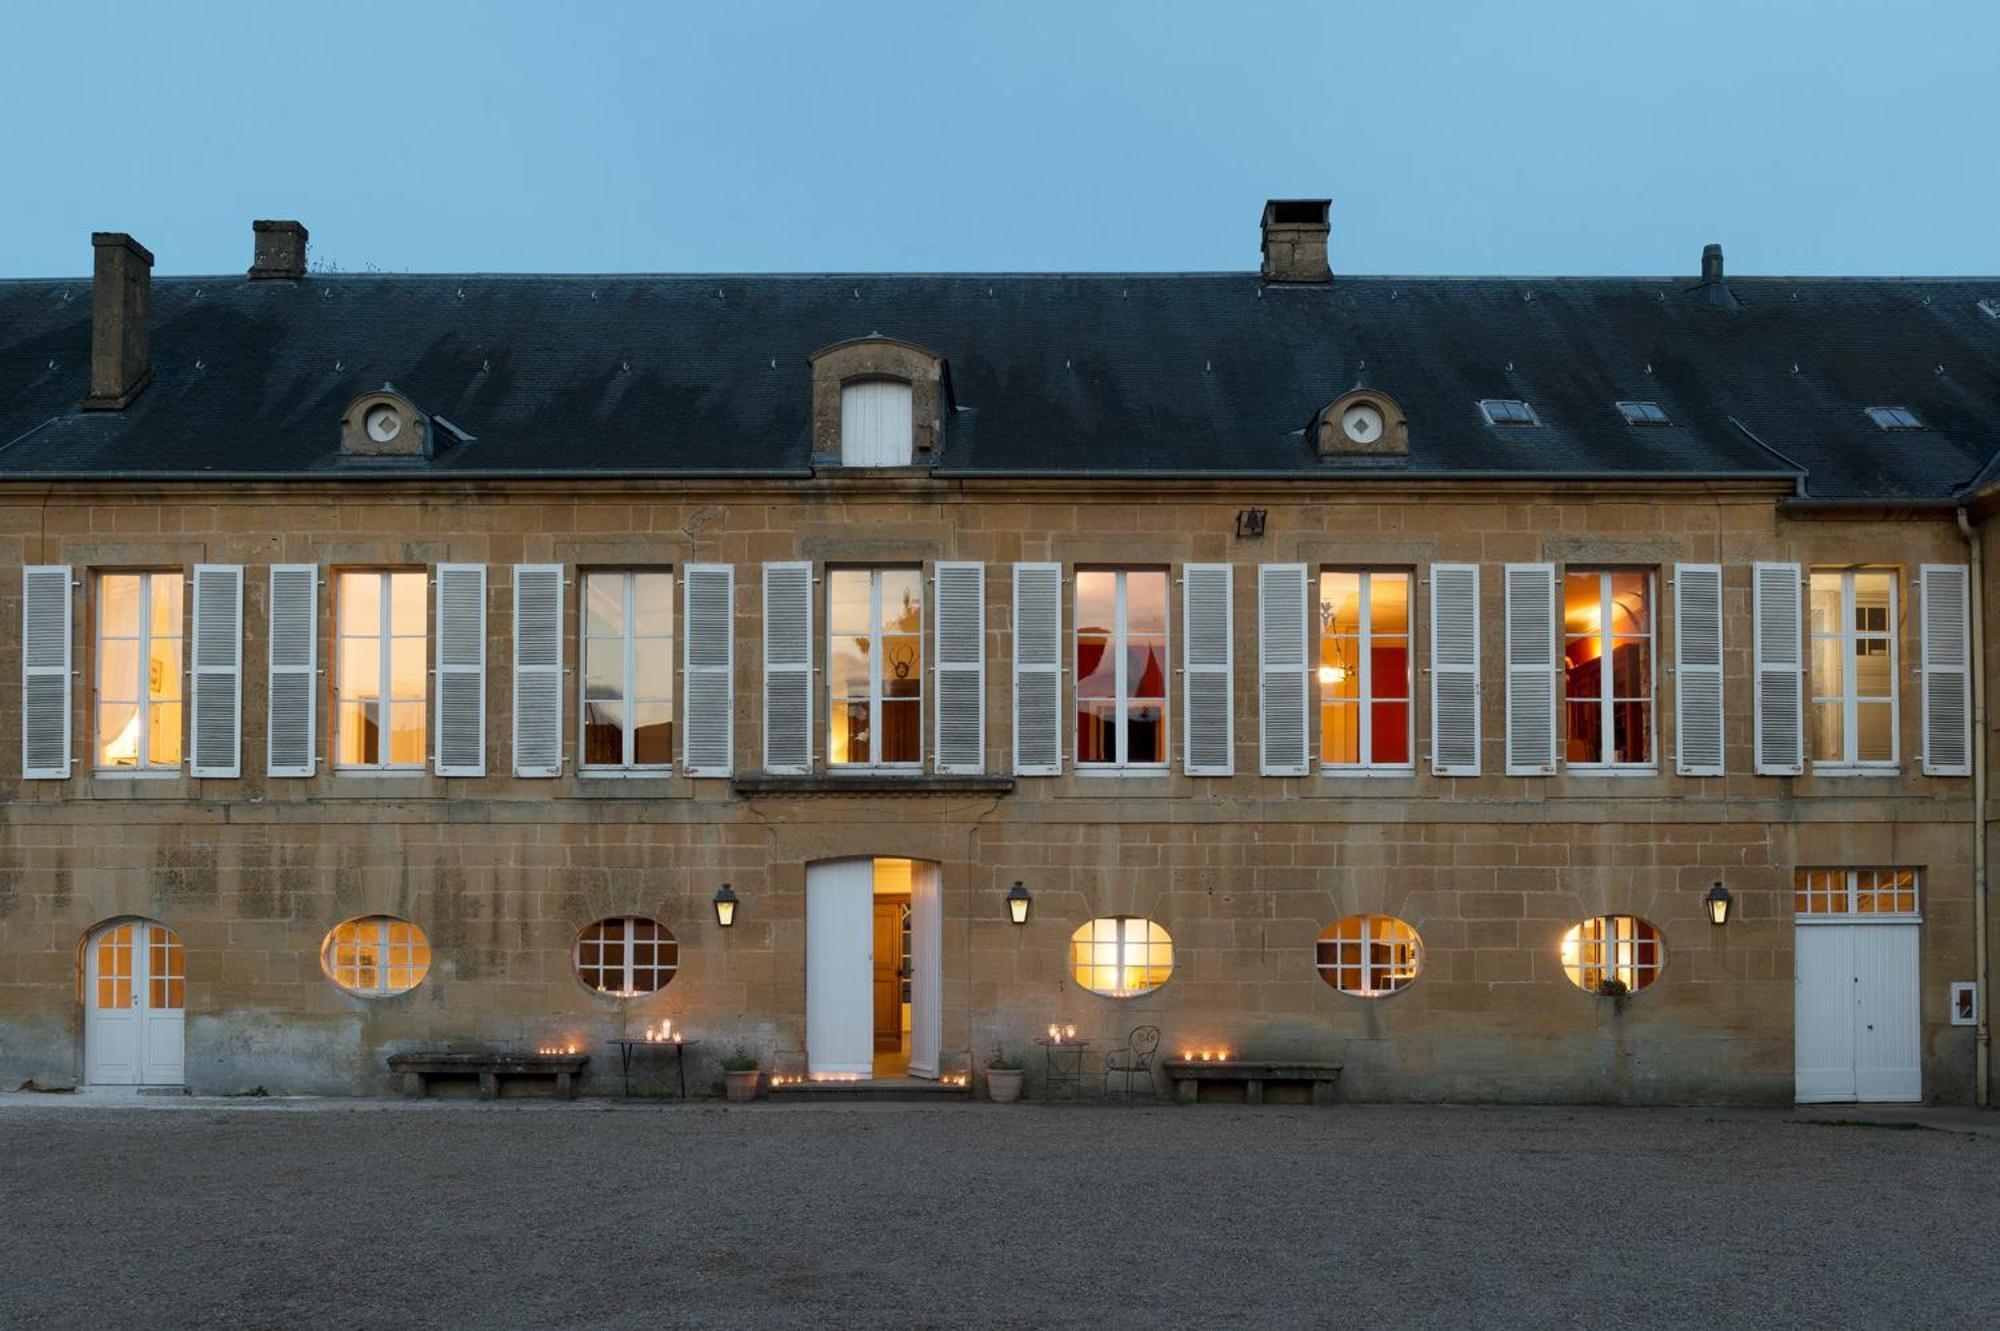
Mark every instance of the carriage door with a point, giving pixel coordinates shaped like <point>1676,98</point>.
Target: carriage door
<point>1858,1032</point>
<point>134,996</point>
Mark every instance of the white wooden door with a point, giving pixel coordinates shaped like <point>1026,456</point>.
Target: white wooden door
<point>840,961</point>
<point>926,970</point>
<point>135,1001</point>
<point>1857,1032</point>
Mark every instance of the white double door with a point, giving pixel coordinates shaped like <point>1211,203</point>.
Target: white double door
<point>135,999</point>
<point>1857,1030</point>
<point>840,969</point>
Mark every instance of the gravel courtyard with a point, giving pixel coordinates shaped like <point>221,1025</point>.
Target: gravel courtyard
<point>287,1214</point>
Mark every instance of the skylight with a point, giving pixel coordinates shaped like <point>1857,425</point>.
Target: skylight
<point>1895,418</point>
<point>1507,411</point>
<point>1643,413</point>
<point>1990,307</point>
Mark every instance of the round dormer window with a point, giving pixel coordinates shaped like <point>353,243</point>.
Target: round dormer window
<point>1362,422</point>
<point>384,423</point>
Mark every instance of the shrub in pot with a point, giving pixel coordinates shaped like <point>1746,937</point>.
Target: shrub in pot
<point>739,1076</point>
<point>1003,1078</point>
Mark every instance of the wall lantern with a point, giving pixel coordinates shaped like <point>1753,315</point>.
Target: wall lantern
<point>1018,903</point>
<point>725,906</point>
<point>1718,902</point>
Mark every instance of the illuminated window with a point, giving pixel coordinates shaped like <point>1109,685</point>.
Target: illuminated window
<point>1608,950</point>
<point>627,956</point>
<point>628,669</point>
<point>1121,956</point>
<point>1818,893</point>
<point>1608,668</point>
<point>1121,669</point>
<point>376,956</point>
<point>1854,667</point>
<point>875,667</point>
<point>381,684</point>
<point>1364,669</point>
<point>139,671</point>
<point>1370,955</point>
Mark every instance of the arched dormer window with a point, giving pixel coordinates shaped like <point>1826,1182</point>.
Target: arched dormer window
<point>878,402</point>
<point>875,423</point>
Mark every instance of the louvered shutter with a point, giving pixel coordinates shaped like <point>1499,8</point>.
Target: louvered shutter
<point>290,736</point>
<point>1207,638</point>
<point>1946,591</point>
<point>461,670</point>
<point>1281,670</point>
<point>1455,669</point>
<point>1780,705</point>
<point>788,640</point>
<point>215,694</point>
<point>1698,669</point>
<point>1038,669</point>
<point>709,657</point>
<point>45,667</point>
<point>538,653</point>
<point>1531,669</point>
<point>960,677</point>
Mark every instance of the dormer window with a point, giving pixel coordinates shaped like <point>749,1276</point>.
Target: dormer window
<point>875,423</point>
<point>1507,411</point>
<point>1643,413</point>
<point>1895,418</point>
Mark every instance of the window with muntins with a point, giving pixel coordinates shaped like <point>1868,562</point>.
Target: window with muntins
<point>1607,951</point>
<point>1365,717</point>
<point>1369,956</point>
<point>1608,669</point>
<point>875,667</point>
<point>381,672</point>
<point>628,670</point>
<point>627,956</point>
<point>876,424</point>
<point>1854,895</point>
<point>376,956</point>
<point>1854,667</point>
<point>139,694</point>
<point>1121,956</point>
<point>1121,668</point>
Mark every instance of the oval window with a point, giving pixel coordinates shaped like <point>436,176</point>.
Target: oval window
<point>627,956</point>
<point>1612,954</point>
<point>376,955</point>
<point>1369,955</point>
<point>1121,956</point>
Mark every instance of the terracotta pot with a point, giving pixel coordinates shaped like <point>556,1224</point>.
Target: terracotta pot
<point>742,1086</point>
<point>1004,1084</point>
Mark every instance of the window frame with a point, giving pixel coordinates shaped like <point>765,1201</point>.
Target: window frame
<point>906,455</point>
<point>1119,943</point>
<point>628,665</point>
<point>1607,698</point>
<point>1512,422</point>
<point>1364,949</point>
<point>1849,696</point>
<point>142,641</point>
<point>385,639</point>
<point>1641,411</point>
<point>385,963</point>
<point>1366,700</point>
<point>1121,688</point>
<point>1613,968</point>
<point>1894,418</point>
<point>1805,891</point>
<point>876,697</point>
<point>626,944</point>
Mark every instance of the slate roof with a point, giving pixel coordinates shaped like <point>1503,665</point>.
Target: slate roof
<point>1052,375</point>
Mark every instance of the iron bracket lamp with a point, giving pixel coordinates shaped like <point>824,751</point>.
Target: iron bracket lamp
<point>1718,902</point>
<point>725,906</point>
<point>1018,903</point>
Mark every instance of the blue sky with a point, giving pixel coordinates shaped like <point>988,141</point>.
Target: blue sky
<point>1809,136</point>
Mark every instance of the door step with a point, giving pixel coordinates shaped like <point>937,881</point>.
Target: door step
<point>872,1088</point>
<point>160,1090</point>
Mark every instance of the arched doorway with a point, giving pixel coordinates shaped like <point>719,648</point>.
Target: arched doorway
<point>134,1005</point>
<point>855,969</point>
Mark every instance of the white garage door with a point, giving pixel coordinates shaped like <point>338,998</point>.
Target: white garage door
<point>1858,1032</point>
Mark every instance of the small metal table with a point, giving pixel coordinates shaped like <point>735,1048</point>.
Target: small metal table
<point>626,1048</point>
<point>1062,1065</point>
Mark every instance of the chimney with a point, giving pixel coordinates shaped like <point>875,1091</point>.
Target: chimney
<point>121,288</point>
<point>280,250</point>
<point>1711,263</point>
<point>1295,233</point>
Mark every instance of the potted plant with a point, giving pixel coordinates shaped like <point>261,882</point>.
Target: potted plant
<point>1003,1077</point>
<point>739,1075</point>
<point>1616,991</point>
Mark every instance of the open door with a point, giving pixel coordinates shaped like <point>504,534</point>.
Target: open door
<point>840,1007</point>
<point>926,978</point>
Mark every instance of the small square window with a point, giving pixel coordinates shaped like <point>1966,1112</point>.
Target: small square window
<point>1895,418</point>
<point>1507,411</point>
<point>1643,413</point>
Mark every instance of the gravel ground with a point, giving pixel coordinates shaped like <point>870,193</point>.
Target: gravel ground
<point>892,1215</point>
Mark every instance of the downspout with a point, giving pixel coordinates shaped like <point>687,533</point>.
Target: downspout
<point>1982,1041</point>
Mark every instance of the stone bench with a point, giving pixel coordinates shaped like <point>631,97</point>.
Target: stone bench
<point>417,1069</point>
<point>1254,1075</point>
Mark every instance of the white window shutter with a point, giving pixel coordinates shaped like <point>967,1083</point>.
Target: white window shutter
<point>1282,644</point>
<point>1780,705</point>
<point>1038,649</point>
<point>876,424</point>
<point>1455,669</point>
<point>788,654</point>
<point>45,667</point>
<point>1698,669</point>
<point>215,693</point>
<point>461,670</point>
<point>960,677</point>
<point>709,658</point>
<point>1207,642</point>
<point>538,658</point>
<point>1946,593</point>
<point>1531,669</point>
<point>291,736</point>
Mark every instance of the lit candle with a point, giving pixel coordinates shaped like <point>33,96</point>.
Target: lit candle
<point>1069,1031</point>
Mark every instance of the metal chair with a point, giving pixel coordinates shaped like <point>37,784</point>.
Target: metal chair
<point>1135,1059</point>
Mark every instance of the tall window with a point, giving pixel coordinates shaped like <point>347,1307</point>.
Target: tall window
<point>376,956</point>
<point>1854,667</point>
<point>875,667</point>
<point>1607,951</point>
<point>1121,956</point>
<point>139,671</point>
<point>627,956</point>
<point>1608,668</point>
<point>381,674</point>
<point>628,669</point>
<point>1121,668</point>
<point>1364,669</point>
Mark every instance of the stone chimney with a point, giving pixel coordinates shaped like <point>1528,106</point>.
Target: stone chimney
<point>1711,263</point>
<point>121,289</point>
<point>1295,232</point>
<point>280,250</point>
